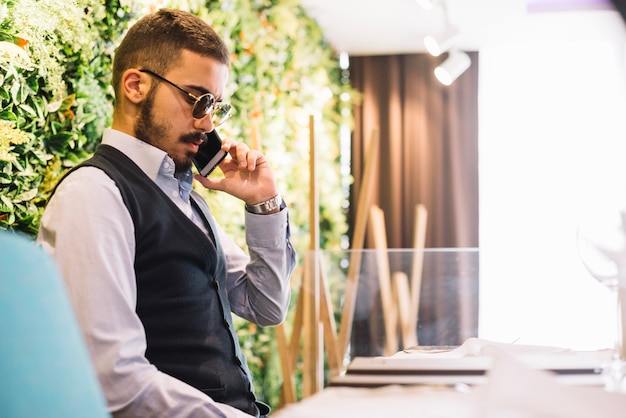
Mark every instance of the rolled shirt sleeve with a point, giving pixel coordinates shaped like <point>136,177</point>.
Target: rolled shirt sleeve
<point>259,287</point>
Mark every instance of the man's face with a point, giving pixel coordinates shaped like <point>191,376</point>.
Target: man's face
<point>165,120</point>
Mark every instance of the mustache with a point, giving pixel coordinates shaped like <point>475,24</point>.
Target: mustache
<point>194,138</point>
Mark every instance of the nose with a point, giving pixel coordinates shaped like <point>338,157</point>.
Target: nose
<point>204,124</point>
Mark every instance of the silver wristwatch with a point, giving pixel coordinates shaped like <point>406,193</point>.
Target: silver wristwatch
<point>266,207</point>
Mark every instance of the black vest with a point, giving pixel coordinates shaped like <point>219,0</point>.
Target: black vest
<point>181,293</point>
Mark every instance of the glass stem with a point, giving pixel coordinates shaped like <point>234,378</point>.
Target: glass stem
<point>620,299</point>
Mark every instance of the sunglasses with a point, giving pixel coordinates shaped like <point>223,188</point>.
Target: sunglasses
<point>203,105</point>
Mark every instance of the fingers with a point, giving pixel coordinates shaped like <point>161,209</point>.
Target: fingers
<point>206,182</point>
<point>242,155</point>
<point>246,174</point>
<point>251,160</point>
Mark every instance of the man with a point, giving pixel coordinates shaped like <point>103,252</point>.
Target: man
<point>152,278</point>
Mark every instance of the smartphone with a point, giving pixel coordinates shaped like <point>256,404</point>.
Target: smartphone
<point>210,154</point>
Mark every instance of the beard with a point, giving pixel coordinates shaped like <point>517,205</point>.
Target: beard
<point>156,134</point>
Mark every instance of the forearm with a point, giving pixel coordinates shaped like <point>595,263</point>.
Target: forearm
<point>262,294</point>
<point>164,395</point>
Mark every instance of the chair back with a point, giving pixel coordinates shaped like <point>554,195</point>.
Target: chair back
<point>45,368</point>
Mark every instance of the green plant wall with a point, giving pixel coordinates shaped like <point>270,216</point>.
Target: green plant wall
<point>56,99</point>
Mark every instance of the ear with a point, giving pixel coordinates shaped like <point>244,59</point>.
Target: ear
<point>135,85</point>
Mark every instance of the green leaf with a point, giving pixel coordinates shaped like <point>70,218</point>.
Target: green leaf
<point>16,93</point>
<point>8,204</point>
<point>59,143</point>
<point>26,196</point>
<point>5,178</point>
<point>8,115</point>
<point>28,109</point>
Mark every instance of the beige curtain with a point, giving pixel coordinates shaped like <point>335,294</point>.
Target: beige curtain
<point>429,146</point>
<point>428,155</point>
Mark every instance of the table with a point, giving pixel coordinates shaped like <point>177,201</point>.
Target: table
<point>517,382</point>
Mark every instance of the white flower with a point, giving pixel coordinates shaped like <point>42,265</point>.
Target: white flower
<point>15,55</point>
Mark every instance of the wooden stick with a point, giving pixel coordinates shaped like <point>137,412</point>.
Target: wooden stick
<point>390,315</point>
<point>419,242</point>
<point>402,296</point>
<point>288,391</point>
<point>314,211</point>
<point>289,350</point>
<point>296,330</point>
<point>255,137</point>
<point>312,366</point>
<point>358,238</point>
<point>330,327</point>
<point>312,358</point>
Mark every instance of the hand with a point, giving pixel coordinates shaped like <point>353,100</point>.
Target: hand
<point>247,174</point>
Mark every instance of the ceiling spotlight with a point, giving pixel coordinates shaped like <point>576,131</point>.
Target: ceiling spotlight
<point>437,45</point>
<point>455,65</point>
<point>427,4</point>
<point>344,60</point>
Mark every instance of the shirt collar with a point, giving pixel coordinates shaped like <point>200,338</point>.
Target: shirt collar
<point>151,160</point>
<point>185,184</point>
<point>147,157</point>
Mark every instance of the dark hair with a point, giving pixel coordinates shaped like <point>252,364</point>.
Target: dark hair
<point>155,42</point>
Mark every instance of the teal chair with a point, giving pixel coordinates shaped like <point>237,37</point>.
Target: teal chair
<point>45,369</point>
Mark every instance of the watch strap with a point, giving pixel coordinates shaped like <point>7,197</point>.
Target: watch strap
<point>267,206</point>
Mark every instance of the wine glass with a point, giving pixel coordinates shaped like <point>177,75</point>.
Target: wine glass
<point>602,249</point>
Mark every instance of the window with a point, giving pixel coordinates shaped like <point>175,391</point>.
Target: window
<point>552,142</point>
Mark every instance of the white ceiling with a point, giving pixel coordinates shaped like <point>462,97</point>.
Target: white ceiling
<point>374,27</point>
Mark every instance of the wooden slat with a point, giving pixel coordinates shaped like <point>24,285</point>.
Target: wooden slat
<point>356,245</point>
<point>255,137</point>
<point>296,331</point>
<point>419,242</point>
<point>402,297</point>
<point>289,385</point>
<point>390,315</point>
<point>312,358</point>
<point>312,366</point>
<point>330,328</point>
<point>289,352</point>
